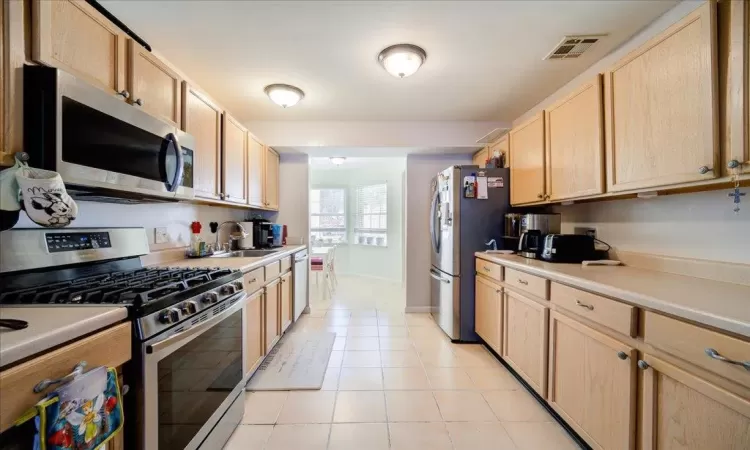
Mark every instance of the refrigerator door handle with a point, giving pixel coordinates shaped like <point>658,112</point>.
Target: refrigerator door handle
<point>437,276</point>
<point>434,234</point>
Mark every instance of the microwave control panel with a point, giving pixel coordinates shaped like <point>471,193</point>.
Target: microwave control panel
<point>67,242</point>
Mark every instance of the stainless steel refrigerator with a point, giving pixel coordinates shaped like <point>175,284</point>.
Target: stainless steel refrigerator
<point>460,226</point>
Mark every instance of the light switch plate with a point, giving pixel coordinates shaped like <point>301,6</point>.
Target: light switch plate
<point>160,235</point>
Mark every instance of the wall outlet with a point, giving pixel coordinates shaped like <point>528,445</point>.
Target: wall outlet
<point>160,235</point>
<point>585,230</point>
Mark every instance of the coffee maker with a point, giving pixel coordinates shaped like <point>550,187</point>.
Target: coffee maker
<point>534,227</point>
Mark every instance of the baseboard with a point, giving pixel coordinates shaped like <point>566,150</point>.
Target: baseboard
<point>418,309</point>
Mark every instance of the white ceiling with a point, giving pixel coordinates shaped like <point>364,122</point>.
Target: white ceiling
<point>373,153</point>
<point>484,57</point>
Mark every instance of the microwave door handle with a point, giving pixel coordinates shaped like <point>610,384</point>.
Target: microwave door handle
<point>196,329</point>
<point>176,181</point>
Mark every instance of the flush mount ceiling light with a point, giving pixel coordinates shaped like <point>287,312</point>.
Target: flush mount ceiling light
<point>284,95</point>
<point>402,60</point>
<point>338,160</point>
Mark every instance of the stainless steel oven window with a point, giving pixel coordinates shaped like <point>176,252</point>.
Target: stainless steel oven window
<point>191,376</point>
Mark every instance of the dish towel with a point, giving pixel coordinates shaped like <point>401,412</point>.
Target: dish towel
<point>45,199</point>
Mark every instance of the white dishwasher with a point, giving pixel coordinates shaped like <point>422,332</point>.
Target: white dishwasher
<point>299,272</point>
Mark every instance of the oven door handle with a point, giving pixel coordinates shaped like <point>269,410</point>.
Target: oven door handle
<point>196,329</point>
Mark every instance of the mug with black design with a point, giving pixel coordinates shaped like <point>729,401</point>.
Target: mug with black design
<point>45,199</point>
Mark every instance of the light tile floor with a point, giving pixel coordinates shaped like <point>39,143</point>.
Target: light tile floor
<point>396,382</point>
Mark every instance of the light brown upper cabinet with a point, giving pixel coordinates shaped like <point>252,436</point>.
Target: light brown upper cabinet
<point>255,172</point>
<point>592,383</point>
<point>234,140</point>
<point>682,410</point>
<point>525,338</point>
<point>661,110</point>
<point>201,118</point>
<point>734,29</point>
<point>154,86</point>
<point>271,179</point>
<point>480,157</point>
<point>575,144</point>
<point>527,162</point>
<point>500,147</point>
<point>71,35</point>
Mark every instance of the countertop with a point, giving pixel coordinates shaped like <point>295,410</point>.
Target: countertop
<point>51,326</point>
<point>724,306</point>
<point>244,264</point>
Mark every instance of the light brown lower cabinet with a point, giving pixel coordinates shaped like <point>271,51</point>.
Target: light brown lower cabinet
<point>682,411</point>
<point>254,331</point>
<point>286,301</point>
<point>271,309</point>
<point>525,340</point>
<point>488,312</point>
<point>592,383</point>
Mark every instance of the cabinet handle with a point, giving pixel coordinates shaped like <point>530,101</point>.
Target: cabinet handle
<point>523,282</point>
<point>253,280</point>
<point>622,355</point>
<point>584,305</point>
<point>643,365</point>
<point>44,384</point>
<point>540,196</point>
<point>498,291</point>
<point>138,102</point>
<point>547,197</point>
<point>717,356</point>
<point>486,269</point>
<point>227,196</point>
<point>221,196</point>
<point>124,94</point>
<point>704,170</point>
<point>733,164</point>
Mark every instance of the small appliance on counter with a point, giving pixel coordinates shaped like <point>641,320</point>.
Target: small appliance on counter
<point>247,242</point>
<point>262,233</point>
<point>570,248</point>
<point>277,235</point>
<point>534,228</point>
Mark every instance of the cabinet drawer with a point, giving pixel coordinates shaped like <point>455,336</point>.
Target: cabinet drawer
<point>110,348</point>
<point>530,283</point>
<point>254,280</point>
<point>286,264</point>
<point>610,313</point>
<point>692,343</point>
<point>488,269</point>
<point>273,271</point>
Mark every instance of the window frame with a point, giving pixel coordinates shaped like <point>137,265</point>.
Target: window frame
<point>357,231</point>
<point>345,214</point>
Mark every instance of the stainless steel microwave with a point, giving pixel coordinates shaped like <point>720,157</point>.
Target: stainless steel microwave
<point>104,149</point>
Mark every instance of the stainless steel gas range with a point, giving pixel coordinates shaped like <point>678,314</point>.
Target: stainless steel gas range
<point>187,368</point>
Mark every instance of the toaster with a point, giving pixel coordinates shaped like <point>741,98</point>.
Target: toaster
<point>569,248</point>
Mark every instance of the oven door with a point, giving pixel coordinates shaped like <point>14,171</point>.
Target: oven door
<point>192,376</point>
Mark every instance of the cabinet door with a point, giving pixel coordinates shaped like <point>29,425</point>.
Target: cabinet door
<point>480,157</point>
<point>501,147</point>
<point>286,301</point>
<point>5,158</point>
<point>201,118</point>
<point>575,144</point>
<point>734,35</point>
<point>272,179</point>
<point>154,86</point>
<point>254,348</point>
<point>592,383</point>
<point>488,312</point>
<point>234,145</point>
<point>525,342</point>
<point>661,108</point>
<point>255,172</point>
<point>73,36</point>
<point>527,162</point>
<point>272,294</point>
<point>682,411</point>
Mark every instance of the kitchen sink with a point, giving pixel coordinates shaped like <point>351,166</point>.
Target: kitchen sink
<point>245,254</point>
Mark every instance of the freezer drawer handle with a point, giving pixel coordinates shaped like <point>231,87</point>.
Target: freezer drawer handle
<point>438,277</point>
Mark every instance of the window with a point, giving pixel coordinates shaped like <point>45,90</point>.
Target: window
<point>371,221</point>
<point>328,215</point>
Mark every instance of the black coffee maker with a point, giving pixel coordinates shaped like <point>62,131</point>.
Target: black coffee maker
<point>534,227</point>
<point>262,233</point>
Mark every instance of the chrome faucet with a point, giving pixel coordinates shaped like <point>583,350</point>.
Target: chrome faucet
<point>218,231</point>
<point>492,243</point>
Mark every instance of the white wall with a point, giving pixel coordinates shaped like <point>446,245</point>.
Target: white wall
<point>294,195</point>
<point>175,216</point>
<point>696,226</point>
<point>419,172</point>
<point>377,262</point>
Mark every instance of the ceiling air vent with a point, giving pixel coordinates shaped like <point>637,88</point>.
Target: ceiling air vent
<point>573,46</point>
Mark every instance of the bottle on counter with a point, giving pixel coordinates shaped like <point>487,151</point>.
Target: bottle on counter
<point>195,238</point>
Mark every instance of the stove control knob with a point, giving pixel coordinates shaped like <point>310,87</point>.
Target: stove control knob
<point>228,289</point>
<point>191,307</point>
<point>210,298</point>
<point>238,285</point>
<point>170,315</point>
